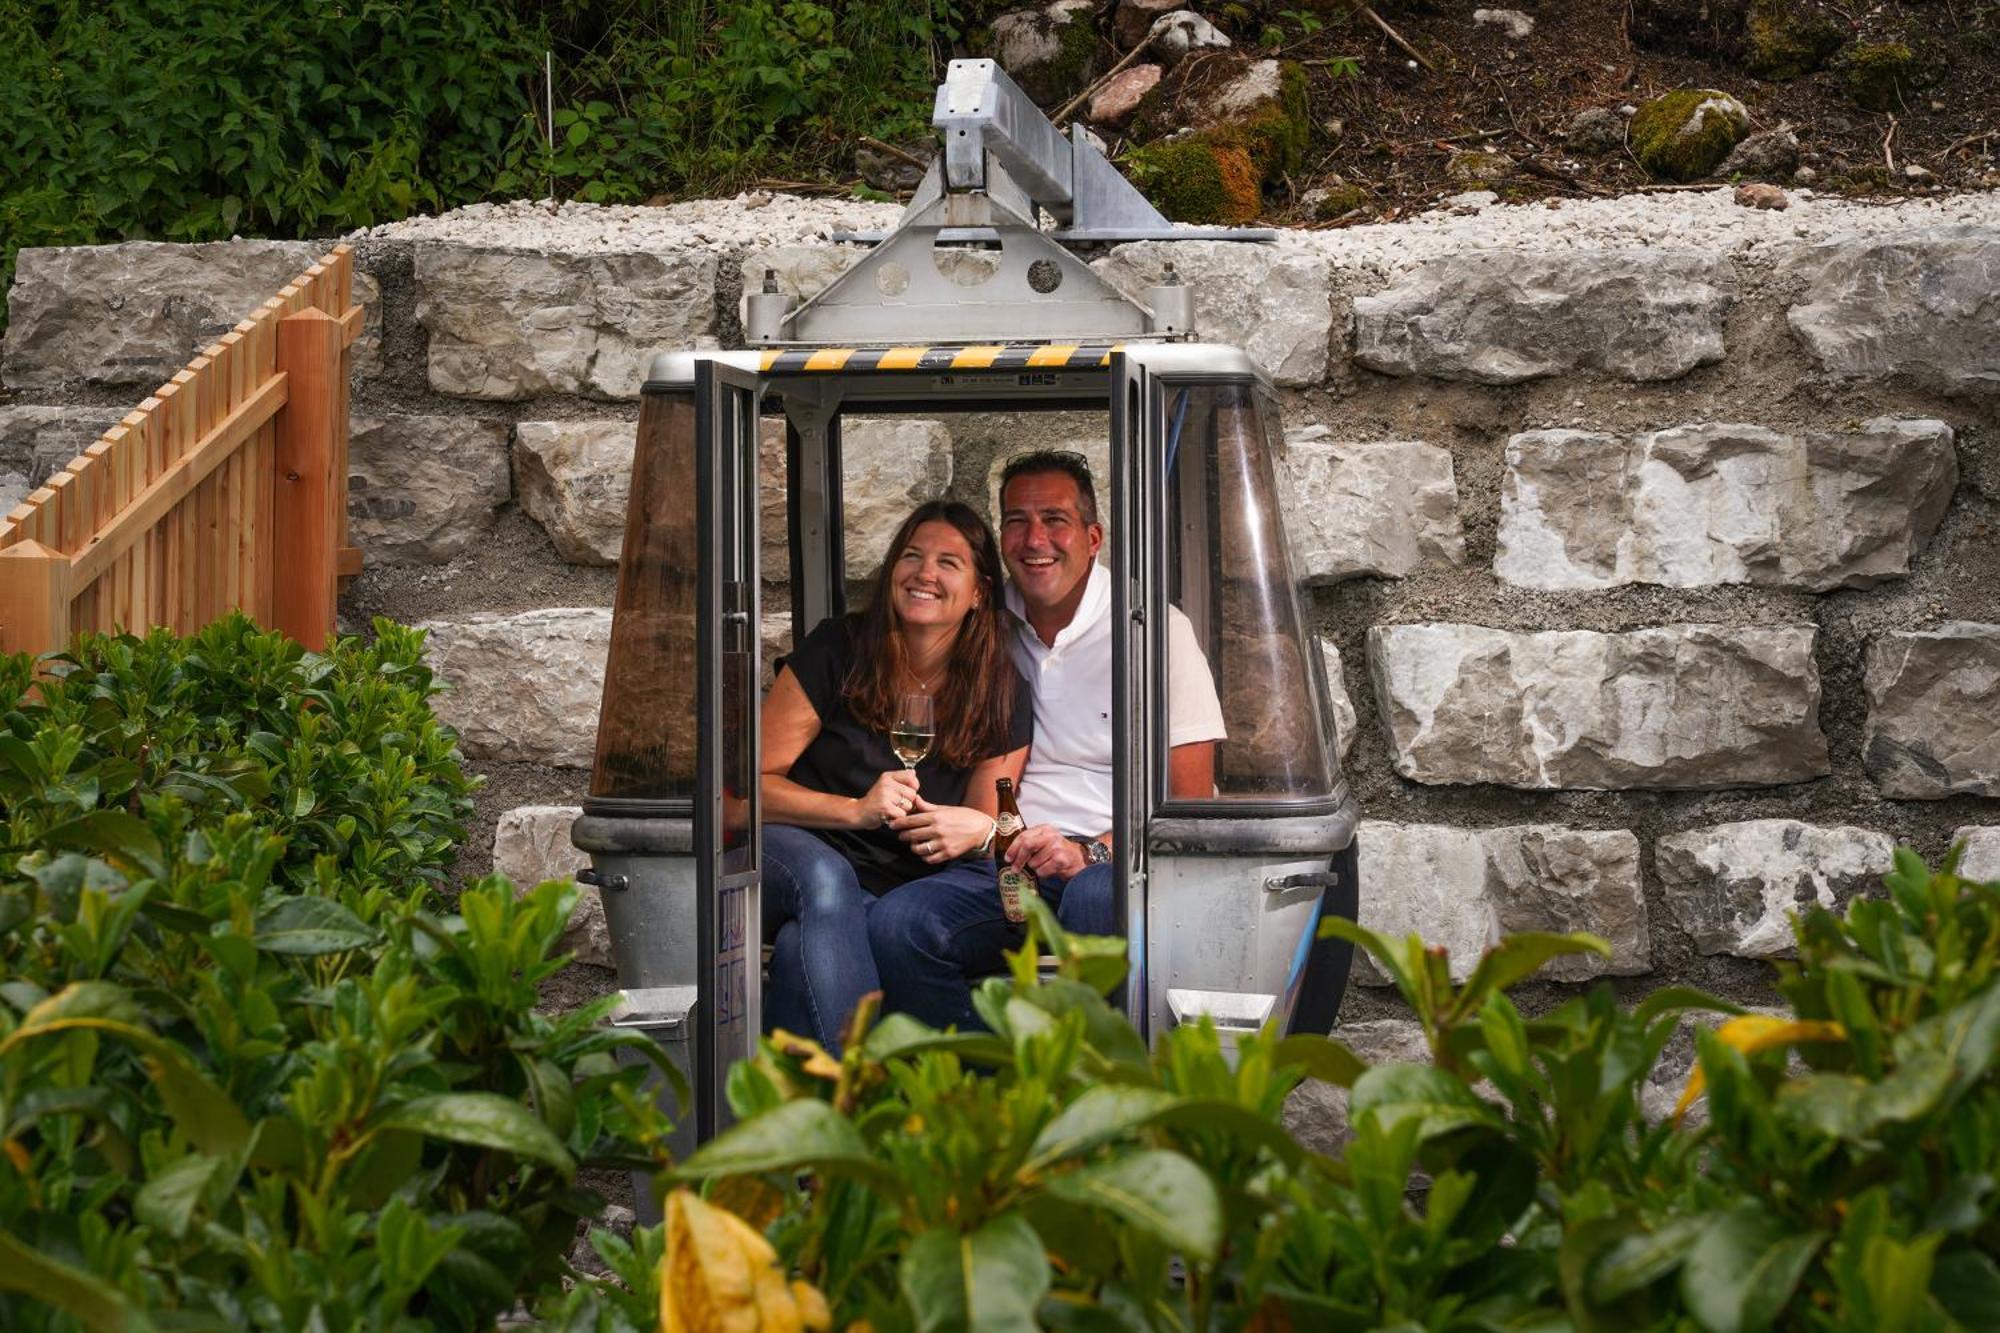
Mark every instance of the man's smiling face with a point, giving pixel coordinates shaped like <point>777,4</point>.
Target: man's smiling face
<point>1044,540</point>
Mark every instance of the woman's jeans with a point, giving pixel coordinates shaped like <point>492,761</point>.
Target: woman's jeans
<point>816,917</point>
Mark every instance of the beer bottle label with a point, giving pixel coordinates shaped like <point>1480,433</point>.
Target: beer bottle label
<point>1014,885</point>
<point>1007,823</point>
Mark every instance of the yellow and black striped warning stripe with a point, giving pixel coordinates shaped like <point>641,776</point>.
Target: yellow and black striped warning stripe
<point>1015,356</point>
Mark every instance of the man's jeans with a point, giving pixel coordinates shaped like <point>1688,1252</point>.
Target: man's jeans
<point>934,936</point>
<point>820,964</point>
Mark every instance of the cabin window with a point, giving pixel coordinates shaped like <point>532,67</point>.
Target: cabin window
<point>1229,571</point>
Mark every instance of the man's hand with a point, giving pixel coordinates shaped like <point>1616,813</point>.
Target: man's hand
<point>1044,851</point>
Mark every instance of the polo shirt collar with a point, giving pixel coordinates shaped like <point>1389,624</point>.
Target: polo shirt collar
<point>1095,606</point>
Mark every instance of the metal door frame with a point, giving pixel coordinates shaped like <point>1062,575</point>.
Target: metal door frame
<point>727,881</point>
<point>1135,584</point>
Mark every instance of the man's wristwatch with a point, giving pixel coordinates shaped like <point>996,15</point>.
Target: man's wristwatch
<point>1094,852</point>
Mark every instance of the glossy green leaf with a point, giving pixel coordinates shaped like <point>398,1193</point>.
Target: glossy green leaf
<point>1322,1058</point>
<point>304,926</point>
<point>483,1120</point>
<point>1743,1268</point>
<point>990,1281</point>
<point>92,1302</point>
<point>1161,1193</point>
<point>166,1202</point>
<point>1518,957</point>
<point>804,1135</point>
<point>1439,1102</point>
<point>1101,1114</point>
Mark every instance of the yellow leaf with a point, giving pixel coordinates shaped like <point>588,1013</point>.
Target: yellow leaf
<point>816,1061</point>
<point>813,1310</point>
<point>18,1156</point>
<point>1752,1033</point>
<point>707,1278</point>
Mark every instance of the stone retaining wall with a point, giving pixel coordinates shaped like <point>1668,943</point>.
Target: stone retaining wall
<point>1659,579</point>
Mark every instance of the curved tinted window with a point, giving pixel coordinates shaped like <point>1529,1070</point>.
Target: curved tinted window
<point>1229,571</point>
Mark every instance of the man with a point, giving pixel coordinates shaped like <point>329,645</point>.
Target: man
<point>932,936</point>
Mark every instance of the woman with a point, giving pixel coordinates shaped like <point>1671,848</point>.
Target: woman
<point>843,820</point>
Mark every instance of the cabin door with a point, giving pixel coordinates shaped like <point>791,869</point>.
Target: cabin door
<point>1136,688</point>
<point>727,842</point>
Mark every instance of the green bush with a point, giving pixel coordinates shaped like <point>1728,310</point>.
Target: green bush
<point>251,1074</point>
<point>1513,1182</point>
<point>191,120</point>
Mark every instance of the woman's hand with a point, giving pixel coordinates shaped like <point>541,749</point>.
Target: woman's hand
<point>893,796</point>
<point>941,833</point>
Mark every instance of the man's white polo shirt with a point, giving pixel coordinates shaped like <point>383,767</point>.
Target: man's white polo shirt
<point>1068,779</point>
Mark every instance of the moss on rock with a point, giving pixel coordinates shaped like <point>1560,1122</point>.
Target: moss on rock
<point>1685,134</point>
<point>1195,178</point>
<point>1788,39</point>
<point>1879,74</point>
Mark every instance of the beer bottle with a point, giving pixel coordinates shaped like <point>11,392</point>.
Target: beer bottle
<point>1007,826</point>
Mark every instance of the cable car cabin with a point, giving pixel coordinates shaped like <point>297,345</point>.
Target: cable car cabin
<point>1221,892</point>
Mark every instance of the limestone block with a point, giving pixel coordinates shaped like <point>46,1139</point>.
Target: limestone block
<point>134,313</point>
<point>1050,51</point>
<point>531,844</point>
<point>1504,316</point>
<point>1343,706</point>
<point>774,640</point>
<point>1273,301</point>
<point>1316,1113</point>
<point>1734,887</point>
<point>1711,504</point>
<point>889,466</point>
<point>574,478</point>
<point>1923,303</point>
<point>1934,711</point>
<point>1671,707</point>
<point>1981,860</point>
<point>38,441</point>
<point>421,490</point>
<point>523,688</point>
<point>14,488</point>
<point>800,271</point>
<point>1375,509</point>
<point>514,324</point>
<point>1466,888</point>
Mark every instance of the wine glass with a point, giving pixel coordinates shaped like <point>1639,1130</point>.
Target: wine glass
<point>914,729</point>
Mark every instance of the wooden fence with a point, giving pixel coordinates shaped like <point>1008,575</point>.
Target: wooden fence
<point>225,490</point>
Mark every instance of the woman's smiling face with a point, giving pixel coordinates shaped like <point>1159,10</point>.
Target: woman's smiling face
<point>936,582</point>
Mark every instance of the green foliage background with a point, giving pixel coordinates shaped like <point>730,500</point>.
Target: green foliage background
<point>192,120</point>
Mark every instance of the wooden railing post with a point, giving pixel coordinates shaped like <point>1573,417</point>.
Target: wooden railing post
<point>305,529</point>
<point>34,599</point>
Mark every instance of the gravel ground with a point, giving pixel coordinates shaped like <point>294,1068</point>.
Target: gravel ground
<point>1706,219</point>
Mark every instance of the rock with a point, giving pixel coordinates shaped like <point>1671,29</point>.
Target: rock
<point>1051,52</point>
<point>1685,134</point>
<point>1672,707</point>
<point>1734,887</point>
<point>574,478</point>
<point>1933,724</point>
<point>1880,75</point>
<point>1472,169</point>
<point>1981,860</point>
<point>1756,194</point>
<point>889,466</point>
<point>1273,301</point>
<point>515,324</point>
<point>1773,155</point>
<point>421,490</point>
<point>531,844</point>
<point>1700,505</point>
<point>774,640</point>
<point>1463,889</point>
<point>1133,21</point>
<point>14,488</point>
<point>134,313</point>
<point>1217,133</point>
<point>801,271</point>
<point>1192,178</point>
<point>1378,509</point>
<point>40,441</point>
<point>1336,689</point>
<point>1505,316</point>
<point>1335,198</point>
<point>1113,104</point>
<point>1511,23</point>
<point>1789,39</point>
<point>1943,328</point>
<point>1175,35</point>
<point>1316,1113</point>
<point>522,688</point>
<point>892,173</point>
<point>1596,131</point>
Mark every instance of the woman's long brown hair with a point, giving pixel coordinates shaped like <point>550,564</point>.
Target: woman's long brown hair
<point>975,707</point>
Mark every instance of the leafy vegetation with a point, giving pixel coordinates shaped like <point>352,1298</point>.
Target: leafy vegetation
<point>1514,1182</point>
<point>251,1074</point>
<point>190,120</point>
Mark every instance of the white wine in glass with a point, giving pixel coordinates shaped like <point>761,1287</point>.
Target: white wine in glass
<point>914,730</point>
